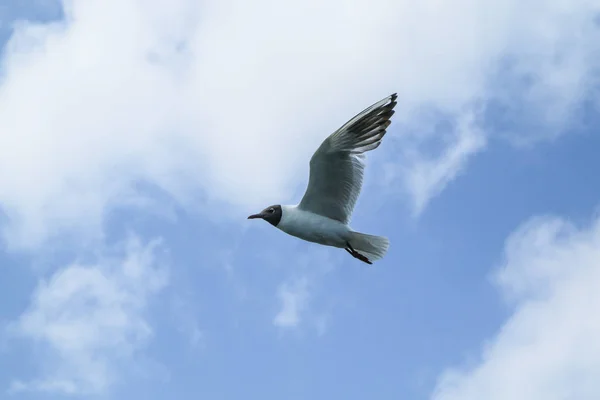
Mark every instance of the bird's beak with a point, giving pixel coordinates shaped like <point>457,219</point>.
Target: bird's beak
<point>255,216</point>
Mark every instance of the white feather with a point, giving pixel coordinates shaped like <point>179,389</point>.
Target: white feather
<point>313,227</point>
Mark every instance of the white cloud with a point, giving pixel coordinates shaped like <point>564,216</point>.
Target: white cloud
<point>548,349</point>
<point>187,323</point>
<point>294,298</point>
<point>89,320</point>
<point>300,296</point>
<point>229,98</point>
<point>426,178</point>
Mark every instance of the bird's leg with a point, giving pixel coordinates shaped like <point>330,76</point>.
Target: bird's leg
<point>356,254</point>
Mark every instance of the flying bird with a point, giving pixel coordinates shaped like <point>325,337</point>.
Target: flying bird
<point>335,181</point>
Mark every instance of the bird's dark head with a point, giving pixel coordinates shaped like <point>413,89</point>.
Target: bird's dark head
<point>271,214</point>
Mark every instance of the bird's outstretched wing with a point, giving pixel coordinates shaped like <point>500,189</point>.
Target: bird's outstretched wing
<point>336,168</point>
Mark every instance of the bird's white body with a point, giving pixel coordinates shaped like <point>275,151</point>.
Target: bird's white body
<point>314,227</point>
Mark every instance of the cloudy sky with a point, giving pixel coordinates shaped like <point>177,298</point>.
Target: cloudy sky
<point>137,135</point>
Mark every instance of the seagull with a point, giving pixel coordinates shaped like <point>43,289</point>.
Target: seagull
<point>335,181</point>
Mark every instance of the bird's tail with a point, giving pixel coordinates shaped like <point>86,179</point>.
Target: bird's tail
<point>373,247</point>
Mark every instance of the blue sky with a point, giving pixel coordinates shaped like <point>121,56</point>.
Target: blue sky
<point>136,139</point>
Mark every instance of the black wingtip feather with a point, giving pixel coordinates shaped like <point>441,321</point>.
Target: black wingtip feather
<point>367,127</point>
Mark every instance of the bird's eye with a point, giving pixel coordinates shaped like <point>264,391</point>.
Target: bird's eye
<point>271,210</point>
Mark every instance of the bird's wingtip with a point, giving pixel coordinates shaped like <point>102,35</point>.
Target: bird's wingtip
<point>393,100</point>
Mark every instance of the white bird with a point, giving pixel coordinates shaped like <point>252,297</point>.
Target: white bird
<point>336,175</point>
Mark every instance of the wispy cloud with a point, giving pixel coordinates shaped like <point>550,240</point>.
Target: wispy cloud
<point>428,177</point>
<point>294,297</point>
<point>185,95</point>
<point>89,320</point>
<point>187,322</point>
<point>304,300</point>
<point>548,348</point>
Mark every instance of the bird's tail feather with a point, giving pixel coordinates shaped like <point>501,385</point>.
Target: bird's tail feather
<point>373,247</point>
